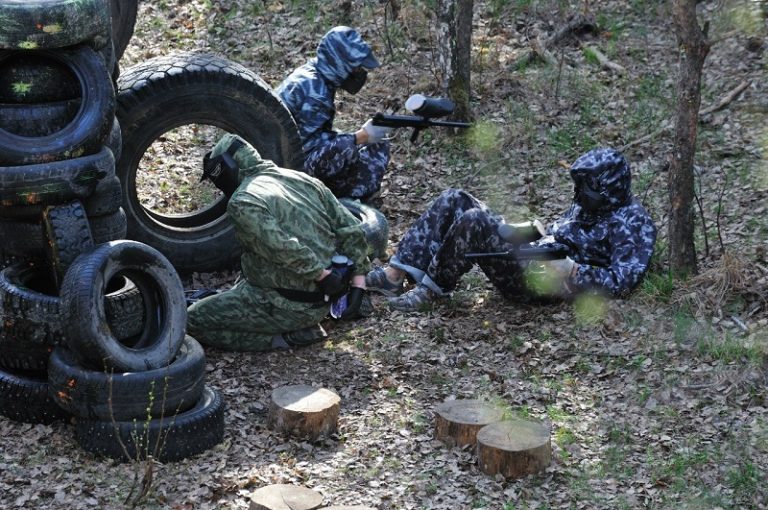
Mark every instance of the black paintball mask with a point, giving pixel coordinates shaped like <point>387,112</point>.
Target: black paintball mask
<point>354,81</point>
<point>588,195</point>
<point>222,170</point>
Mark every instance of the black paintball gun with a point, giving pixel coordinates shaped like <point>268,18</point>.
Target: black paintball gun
<point>523,251</point>
<point>425,109</point>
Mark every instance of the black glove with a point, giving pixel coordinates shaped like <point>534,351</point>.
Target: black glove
<point>354,303</point>
<point>334,284</point>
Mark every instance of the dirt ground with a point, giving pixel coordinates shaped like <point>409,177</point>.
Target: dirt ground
<point>656,401</point>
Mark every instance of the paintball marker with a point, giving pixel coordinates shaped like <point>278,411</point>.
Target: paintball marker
<point>523,251</point>
<point>425,109</point>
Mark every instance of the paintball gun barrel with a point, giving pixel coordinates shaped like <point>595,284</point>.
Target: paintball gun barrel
<point>425,109</point>
<point>526,252</point>
<point>523,251</point>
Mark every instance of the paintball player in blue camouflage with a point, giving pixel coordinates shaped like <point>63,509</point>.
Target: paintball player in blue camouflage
<point>289,226</point>
<point>610,235</point>
<point>350,164</point>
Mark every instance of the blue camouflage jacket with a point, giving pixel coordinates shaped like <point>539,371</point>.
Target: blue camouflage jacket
<point>613,243</point>
<point>309,91</point>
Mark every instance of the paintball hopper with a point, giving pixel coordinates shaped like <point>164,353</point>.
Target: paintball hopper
<point>430,107</point>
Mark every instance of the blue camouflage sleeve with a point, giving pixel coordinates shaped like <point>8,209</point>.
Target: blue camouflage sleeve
<point>632,236</point>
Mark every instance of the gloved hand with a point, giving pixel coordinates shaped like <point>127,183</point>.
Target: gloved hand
<point>549,277</point>
<point>354,303</point>
<point>376,134</point>
<point>561,267</point>
<point>333,284</point>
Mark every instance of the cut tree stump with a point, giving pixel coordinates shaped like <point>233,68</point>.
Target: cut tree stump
<point>285,497</point>
<point>513,448</point>
<point>304,411</point>
<point>458,421</point>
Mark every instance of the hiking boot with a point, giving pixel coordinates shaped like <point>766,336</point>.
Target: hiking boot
<point>415,299</point>
<point>376,281</point>
<point>305,336</point>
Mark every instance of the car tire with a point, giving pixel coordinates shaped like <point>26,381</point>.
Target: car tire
<point>177,437</point>
<point>24,398</point>
<point>88,129</point>
<point>165,93</point>
<point>47,24</point>
<point>68,234</point>
<point>82,305</point>
<point>106,396</point>
<point>123,22</point>
<point>32,319</point>
<point>29,78</point>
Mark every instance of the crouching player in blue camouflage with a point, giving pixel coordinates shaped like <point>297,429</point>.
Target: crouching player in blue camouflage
<point>350,164</point>
<point>609,233</point>
<point>289,226</point>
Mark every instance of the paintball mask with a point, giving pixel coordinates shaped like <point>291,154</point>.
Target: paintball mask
<point>354,81</point>
<point>602,180</point>
<point>222,170</point>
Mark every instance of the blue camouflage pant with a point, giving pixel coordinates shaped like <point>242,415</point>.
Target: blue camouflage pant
<point>246,317</point>
<point>348,169</point>
<point>432,251</point>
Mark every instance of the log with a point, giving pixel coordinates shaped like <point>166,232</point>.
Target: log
<point>513,448</point>
<point>285,497</point>
<point>458,421</point>
<point>304,411</point>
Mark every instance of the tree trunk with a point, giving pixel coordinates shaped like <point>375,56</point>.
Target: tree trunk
<point>304,411</point>
<point>454,52</point>
<point>458,421</point>
<point>513,448</point>
<point>693,48</point>
<point>285,497</point>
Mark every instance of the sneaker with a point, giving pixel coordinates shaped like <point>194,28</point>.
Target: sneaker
<point>305,336</point>
<point>414,300</point>
<point>376,281</point>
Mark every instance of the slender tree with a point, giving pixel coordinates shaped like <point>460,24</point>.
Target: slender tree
<point>693,48</point>
<point>454,40</point>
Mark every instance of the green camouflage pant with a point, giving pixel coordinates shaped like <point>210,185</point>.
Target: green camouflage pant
<point>245,318</point>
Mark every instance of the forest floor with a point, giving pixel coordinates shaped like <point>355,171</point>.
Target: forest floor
<point>656,401</point>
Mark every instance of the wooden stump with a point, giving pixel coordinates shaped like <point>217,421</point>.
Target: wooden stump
<point>458,421</point>
<point>304,411</point>
<point>513,448</point>
<point>285,497</point>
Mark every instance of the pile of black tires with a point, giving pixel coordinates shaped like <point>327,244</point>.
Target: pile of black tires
<point>92,325</point>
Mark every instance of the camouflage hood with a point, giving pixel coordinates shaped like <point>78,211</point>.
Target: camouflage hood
<point>248,159</point>
<point>340,51</point>
<point>604,176</point>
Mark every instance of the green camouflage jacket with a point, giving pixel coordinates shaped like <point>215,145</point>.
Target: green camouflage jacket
<point>289,224</point>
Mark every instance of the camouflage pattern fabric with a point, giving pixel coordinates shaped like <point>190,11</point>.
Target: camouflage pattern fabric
<point>309,93</point>
<point>347,169</point>
<point>432,250</point>
<point>289,226</point>
<point>613,244</point>
<point>246,318</point>
<point>310,90</point>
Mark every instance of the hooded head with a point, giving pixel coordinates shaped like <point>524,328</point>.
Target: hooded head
<point>602,180</point>
<point>342,51</point>
<point>230,161</point>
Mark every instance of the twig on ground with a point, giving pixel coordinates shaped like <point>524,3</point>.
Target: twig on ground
<point>605,62</point>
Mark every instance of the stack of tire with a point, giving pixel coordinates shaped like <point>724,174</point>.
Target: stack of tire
<point>92,326</point>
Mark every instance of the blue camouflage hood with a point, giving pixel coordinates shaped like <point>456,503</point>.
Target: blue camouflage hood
<point>340,51</point>
<point>605,171</point>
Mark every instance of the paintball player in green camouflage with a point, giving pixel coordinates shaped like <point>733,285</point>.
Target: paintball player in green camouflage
<point>290,226</point>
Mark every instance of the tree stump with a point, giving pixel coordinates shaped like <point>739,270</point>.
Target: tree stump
<point>458,421</point>
<point>513,448</point>
<point>304,411</point>
<point>285,497</point>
